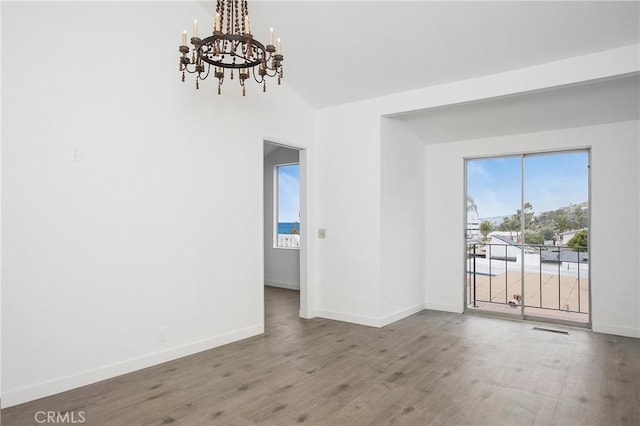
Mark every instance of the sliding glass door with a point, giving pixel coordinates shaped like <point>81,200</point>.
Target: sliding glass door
<point>527,236</point>
<point>493,197</point>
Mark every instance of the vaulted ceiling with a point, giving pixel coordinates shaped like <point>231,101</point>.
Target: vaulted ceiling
<point>342,51</point>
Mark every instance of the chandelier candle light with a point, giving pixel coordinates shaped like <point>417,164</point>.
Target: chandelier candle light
<point>231,46</point>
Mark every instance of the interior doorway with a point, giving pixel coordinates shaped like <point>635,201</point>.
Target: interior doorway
<point>527,246</point>
<point>284,181</point>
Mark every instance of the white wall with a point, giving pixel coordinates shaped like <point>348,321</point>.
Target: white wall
<point>281,266</point>
<point>402,229</point>
<point>370,184</point>
<point>614,206</point>
<point>159,224</point>
<point>348,207</point>
<point>350,163</point>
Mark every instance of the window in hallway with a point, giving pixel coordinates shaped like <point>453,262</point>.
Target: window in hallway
<point>288,206</point>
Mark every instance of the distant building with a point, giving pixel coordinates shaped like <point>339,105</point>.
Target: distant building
<point>566,236</point>
<point>562,256</point>
<point>502,247</point>
<point>473,229</point>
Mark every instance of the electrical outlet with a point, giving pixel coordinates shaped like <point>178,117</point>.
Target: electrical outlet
<point>76,155</point>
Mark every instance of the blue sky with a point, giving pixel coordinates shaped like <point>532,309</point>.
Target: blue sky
<point>289,193</point>
<point>551,181</point>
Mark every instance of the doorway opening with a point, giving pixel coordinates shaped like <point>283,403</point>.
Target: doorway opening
<point>284,181</point>
<point>527,245</point>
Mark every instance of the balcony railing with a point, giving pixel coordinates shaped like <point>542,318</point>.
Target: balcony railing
<point>289,240</point>
<point>555,278</point>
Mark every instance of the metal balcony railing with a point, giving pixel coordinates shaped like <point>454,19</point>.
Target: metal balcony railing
<point>289,240</point>
<point>555,278</point>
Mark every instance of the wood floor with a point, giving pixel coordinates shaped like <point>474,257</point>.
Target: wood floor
<point>431,368</point>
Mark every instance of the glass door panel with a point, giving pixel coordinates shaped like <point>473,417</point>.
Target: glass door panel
<point>556,212</point>
<point>493,232</point>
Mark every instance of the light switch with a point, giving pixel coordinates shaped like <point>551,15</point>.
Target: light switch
<point>321,233</point>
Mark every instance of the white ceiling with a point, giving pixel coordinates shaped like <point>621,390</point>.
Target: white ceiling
<point>342,51</point>
<point>598,102</point>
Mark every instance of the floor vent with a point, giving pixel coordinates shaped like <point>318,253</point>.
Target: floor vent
<point>550,330</point>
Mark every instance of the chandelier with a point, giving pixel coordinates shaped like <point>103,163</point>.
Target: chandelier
<point>231,47</point>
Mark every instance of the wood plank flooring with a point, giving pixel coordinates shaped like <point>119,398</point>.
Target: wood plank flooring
<point>433,368</point>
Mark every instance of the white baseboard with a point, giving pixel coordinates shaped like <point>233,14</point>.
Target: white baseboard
<point>51,387</point>
<point>370,321</point>
<point>281,284</point>
<point>616,329</point>
<point>307,315</point>
<point>402,314</point>
<point>355,319</point>
<point>443,307</point>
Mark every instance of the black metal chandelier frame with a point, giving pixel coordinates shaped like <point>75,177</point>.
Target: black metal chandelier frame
<point>234,49</point>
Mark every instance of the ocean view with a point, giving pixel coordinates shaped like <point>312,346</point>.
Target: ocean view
<point>286,227</point>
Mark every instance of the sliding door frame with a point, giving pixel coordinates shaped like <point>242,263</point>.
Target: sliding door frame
<point>522,314</point>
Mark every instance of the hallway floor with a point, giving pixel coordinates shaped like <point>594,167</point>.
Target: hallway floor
<point>433,368</point>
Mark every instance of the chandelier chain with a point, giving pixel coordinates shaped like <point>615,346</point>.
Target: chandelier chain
<point>236,22</point>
